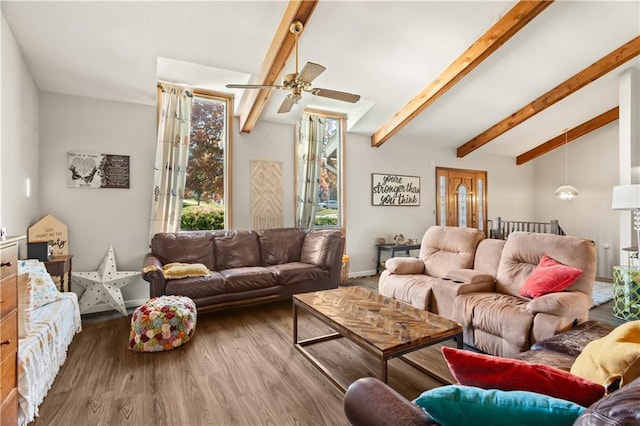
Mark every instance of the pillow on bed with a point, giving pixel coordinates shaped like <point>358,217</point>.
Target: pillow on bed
<point>176,270</point>
<point>43,289</point>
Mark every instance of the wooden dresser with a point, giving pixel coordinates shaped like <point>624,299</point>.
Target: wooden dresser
<point>9,331</point>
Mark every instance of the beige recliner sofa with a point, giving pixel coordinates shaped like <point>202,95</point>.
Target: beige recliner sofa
<point>476,281</point>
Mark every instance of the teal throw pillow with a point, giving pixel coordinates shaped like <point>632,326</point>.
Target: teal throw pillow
<point>458,405</point>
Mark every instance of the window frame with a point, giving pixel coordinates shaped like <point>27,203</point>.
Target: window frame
<point>228,151</point>
<point>342,199</point>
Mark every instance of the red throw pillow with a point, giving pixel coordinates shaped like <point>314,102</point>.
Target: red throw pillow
<point>548,277</point>
<point>492,372</point>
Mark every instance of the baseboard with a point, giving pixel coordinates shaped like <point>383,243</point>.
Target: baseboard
<point>103,307</point>
<point>362,274</point>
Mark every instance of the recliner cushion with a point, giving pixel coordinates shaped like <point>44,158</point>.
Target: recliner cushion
<point>495,323</point>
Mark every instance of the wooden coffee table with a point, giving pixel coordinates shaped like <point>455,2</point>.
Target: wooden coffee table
<point>382,326</point>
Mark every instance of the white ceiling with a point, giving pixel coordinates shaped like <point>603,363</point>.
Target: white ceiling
<point>386,51</point>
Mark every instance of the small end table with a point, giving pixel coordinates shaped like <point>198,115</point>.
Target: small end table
<point>60,267</point>
<point>393,249</point>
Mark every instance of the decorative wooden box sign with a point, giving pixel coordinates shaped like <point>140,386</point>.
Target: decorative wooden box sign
<point>51,229</point>
<point>395,190</point>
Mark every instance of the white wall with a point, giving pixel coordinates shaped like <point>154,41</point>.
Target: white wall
<point>99,218</point>
<point>20,140</point>
<point>508,186</point>
<point>593,169</point>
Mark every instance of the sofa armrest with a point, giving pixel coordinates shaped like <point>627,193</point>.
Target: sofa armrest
<point>568,304</point>
<point>152,272</point>
<point>404,265</point>
<point>370,402</point>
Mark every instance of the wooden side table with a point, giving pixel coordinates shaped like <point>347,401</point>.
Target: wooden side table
<point>393,249</point>
<point>60,266</point>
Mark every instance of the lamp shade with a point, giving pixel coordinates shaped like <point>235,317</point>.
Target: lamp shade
<point>626,197</point>
<point>566,192</point>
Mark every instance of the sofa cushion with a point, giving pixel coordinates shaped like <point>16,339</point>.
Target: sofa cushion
<point>317,246</point>
<point>491,372</point>
<point>248,278</point>
<point>613,357</point>
<point>466,405</point>
<point>197,287</point>
<point>523,251</point>
<point>297,272</point>
<point>617,408</point>
<point>236,249</point>
<point>444,248</point>
<point>549,276</point>
<point>185,247</point>
<point>177,270</point>
<point>282,245</point>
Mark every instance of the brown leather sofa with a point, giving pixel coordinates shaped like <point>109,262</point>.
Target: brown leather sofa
<point>246,267</point>
<point>370,402</point>
<point>476,281</point>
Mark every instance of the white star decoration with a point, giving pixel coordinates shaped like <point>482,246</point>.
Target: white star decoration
<point>103,285</point>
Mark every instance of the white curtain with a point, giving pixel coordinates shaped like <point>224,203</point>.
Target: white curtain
<point>310,136</point>
<point>172,152</point>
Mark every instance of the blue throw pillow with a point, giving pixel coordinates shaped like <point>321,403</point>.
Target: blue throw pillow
<point>457,405</point>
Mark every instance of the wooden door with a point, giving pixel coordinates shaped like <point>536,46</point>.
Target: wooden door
<point>461,198</point>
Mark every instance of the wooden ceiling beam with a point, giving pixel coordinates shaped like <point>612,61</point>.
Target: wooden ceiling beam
<point>572,134</point>
<point>610,62</point>
<point>254,101</point>
<point>512,22</point>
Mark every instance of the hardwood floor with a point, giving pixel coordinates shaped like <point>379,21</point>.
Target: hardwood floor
<point>239,369</point>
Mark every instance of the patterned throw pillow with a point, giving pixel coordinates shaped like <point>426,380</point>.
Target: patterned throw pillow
<point>43,289</point>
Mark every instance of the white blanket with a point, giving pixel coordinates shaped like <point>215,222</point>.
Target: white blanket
<point>44,350</point>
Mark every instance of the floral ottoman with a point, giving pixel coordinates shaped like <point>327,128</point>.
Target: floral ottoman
<point>162,323</point>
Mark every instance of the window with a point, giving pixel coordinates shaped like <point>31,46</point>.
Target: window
<point>207,200</point>
<point>329,198</point>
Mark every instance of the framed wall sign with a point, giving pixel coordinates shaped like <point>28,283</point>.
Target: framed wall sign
<point>97,170</point>
<point>395,190</point>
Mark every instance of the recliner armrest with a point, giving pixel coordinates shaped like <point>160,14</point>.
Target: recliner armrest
<point>568,304</point>
<point>470,276</point>
<point>404,265</point>
<point>370,402</point>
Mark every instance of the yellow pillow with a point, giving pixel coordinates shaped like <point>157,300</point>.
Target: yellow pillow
<point>173,271</point>
<point>615,356</point>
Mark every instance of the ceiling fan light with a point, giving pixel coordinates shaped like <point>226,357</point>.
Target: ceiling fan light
<point>566,192</point>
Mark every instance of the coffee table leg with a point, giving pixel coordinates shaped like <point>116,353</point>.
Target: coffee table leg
<point>460,341</point>
<point>383,370</point>
<point>295,324</point>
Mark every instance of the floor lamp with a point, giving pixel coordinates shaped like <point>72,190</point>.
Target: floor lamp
<point>627,197</point>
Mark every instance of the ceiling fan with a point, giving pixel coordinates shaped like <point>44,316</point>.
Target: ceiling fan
<point>300,82</point>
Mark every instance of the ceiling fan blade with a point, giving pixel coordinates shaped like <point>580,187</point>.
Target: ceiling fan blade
<point>252,86</point>
<point>286,105</point>
<point>310,71</point>
<point>334,94</point>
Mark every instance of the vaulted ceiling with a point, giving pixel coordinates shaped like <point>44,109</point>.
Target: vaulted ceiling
<point>497,77</point>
